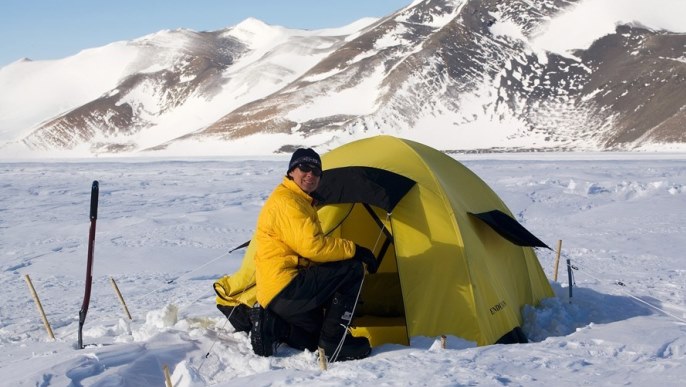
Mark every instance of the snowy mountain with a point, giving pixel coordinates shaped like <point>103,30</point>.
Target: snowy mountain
<point>460,75</point>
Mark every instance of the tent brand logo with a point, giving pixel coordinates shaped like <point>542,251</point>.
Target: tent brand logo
<point>498,307</point>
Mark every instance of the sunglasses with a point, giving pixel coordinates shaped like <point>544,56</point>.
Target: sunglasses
<point>305,168</point>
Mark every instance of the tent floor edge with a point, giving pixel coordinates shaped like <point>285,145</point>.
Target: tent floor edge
<point>381,330</point>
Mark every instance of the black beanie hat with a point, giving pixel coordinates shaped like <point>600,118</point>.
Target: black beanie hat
<point>304,156</point>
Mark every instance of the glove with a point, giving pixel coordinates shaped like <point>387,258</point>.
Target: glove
<point>366,256</point>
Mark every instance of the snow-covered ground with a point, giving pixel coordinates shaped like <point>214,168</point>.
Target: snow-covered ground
<point>621,219</point>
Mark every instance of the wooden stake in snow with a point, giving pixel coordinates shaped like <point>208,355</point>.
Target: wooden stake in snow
<point>557,258</point>
<point>39,306</point>
<point>322,359</point>
<point>167,378</point>
<point>121,299</point>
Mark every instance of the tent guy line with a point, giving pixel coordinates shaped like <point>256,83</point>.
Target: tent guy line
<point>622,288</point>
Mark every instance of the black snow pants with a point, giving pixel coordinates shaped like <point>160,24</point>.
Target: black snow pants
<point>302,302</point>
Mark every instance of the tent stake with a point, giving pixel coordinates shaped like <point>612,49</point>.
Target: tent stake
<point>322,359</point>
<point>569,277</point>
<point>39,306</point>
<point>557,258</point>
<point>167,378</point>
<point>121,299</point>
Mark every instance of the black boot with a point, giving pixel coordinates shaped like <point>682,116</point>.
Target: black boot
<point>334,330</point>
<point>239,316</point>
<point>300,339</point>
<point>353,348</point>
<point>267,332</point>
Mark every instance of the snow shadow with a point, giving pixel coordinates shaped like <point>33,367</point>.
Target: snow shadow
<point>139,364</point>
<point>562,315</point>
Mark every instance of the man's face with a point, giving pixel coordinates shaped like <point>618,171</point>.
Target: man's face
<point>306,176</point>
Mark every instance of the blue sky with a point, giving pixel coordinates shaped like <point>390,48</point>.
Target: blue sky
<point>53,29</point>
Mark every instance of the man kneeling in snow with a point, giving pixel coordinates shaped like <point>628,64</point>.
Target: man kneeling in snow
<point>307,282</point>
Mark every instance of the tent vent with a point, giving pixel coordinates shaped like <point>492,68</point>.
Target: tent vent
<point>509,228</point>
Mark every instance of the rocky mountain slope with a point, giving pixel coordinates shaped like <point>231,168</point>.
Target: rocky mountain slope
<point>461,75</point>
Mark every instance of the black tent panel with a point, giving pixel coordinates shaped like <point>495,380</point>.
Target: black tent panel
<point>509,228</point>
<point>373,186</point>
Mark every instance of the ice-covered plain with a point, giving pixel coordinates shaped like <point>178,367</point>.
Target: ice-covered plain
<point>165,228</point>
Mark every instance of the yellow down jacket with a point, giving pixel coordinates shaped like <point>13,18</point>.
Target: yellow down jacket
<point>289,235</point>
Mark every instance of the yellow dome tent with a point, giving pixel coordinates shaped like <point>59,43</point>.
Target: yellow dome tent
<point>453,260</point>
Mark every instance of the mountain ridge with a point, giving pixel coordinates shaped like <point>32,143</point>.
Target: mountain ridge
<point>465,75</point>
